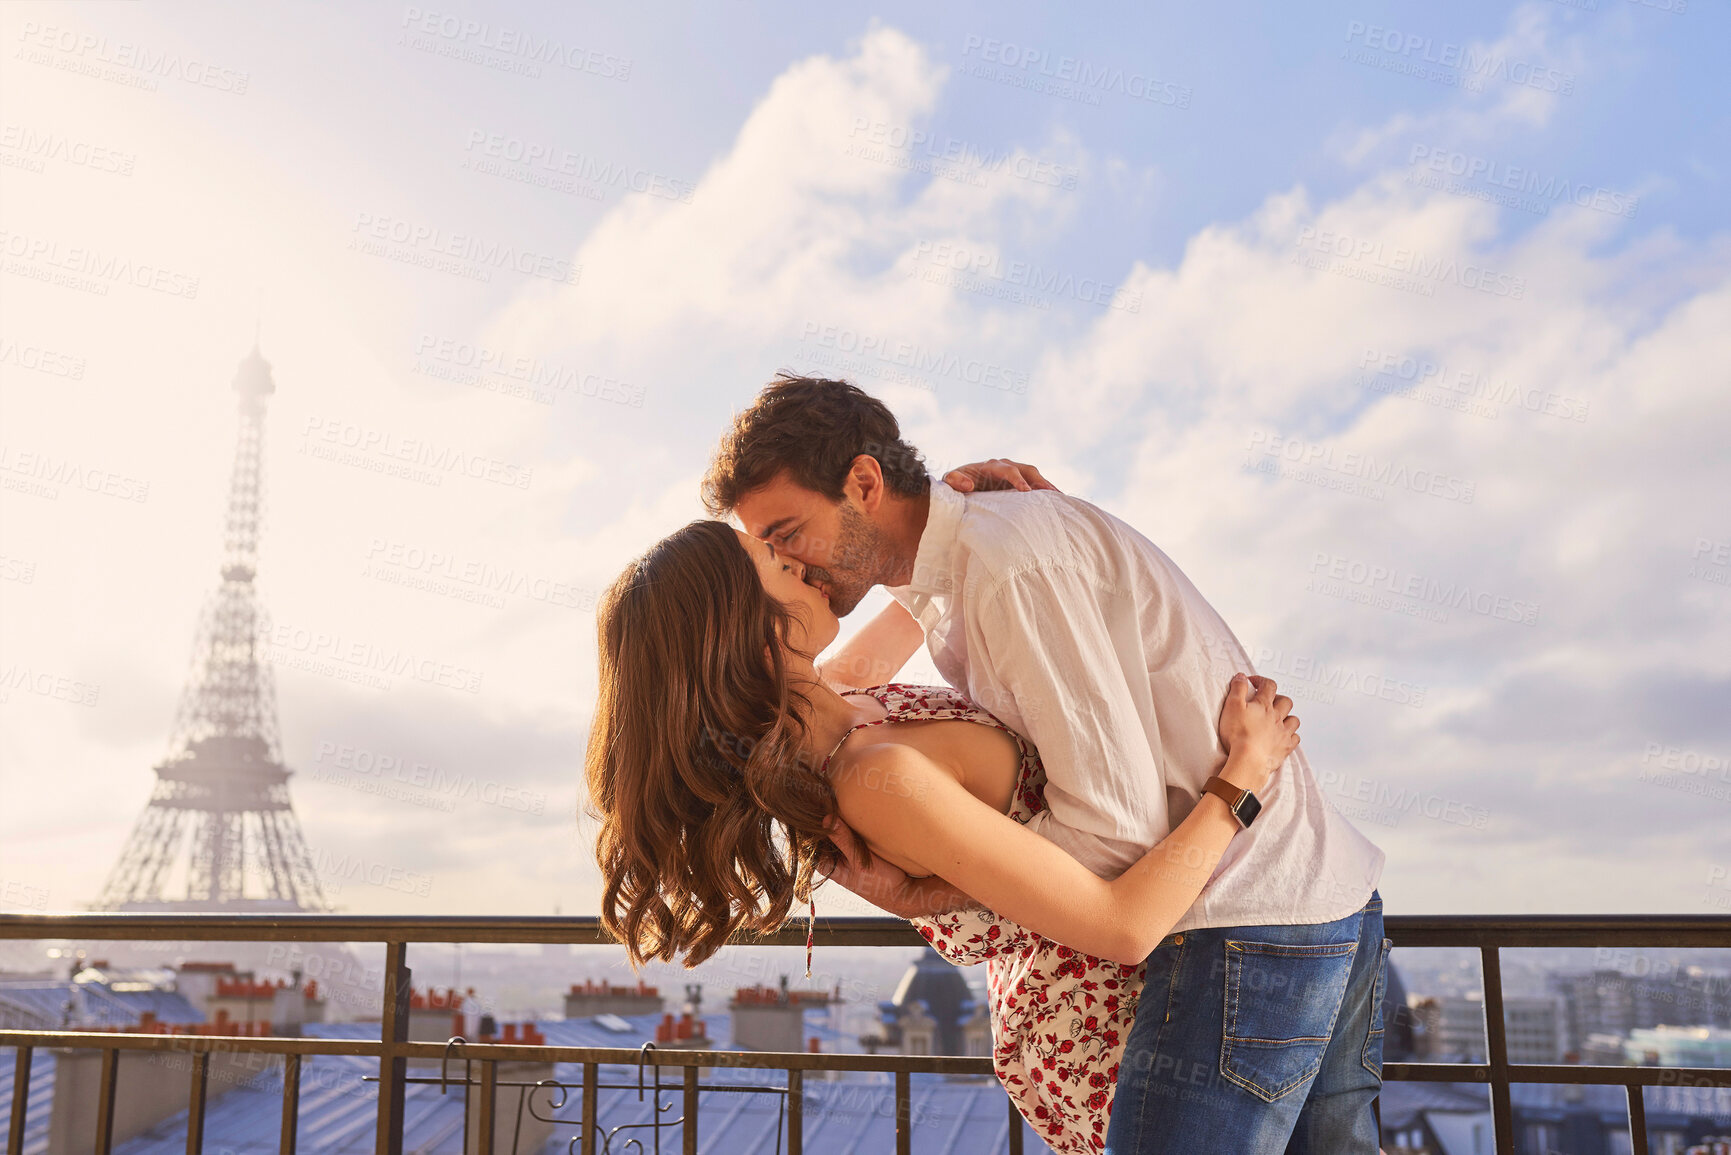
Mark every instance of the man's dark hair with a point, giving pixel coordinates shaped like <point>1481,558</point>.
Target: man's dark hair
<point>812,428</point>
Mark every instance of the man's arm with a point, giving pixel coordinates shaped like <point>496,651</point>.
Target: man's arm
<point>873,655</point>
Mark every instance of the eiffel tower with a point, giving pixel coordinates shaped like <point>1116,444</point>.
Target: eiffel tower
<point>222,791</point>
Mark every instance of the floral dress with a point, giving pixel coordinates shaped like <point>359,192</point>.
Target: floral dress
<point>1059,1017</point>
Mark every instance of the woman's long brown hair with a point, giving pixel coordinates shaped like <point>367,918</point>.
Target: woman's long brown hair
<point>711,816</point>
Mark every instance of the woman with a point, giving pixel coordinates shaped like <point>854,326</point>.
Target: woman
<point>721,765</point>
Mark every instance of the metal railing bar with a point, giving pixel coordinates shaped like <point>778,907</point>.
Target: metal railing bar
<point>1560,1074</point>
<point>1435,1073</point>
<point>577,931</point>
<point>736,1088</point>
<point>195,1103</point>
<point>1556,930</point>
<point>291,1104</point>
<point>192,1044</point>
<point>1637,1121</point>
<point>795,1112</point>
<point>1623,1076</point>
<point>1496,1041</point>
<point>1015,1128</point>
<point>690,1129</point>
<point>20,1100</point>
<point>803,1061</point>
<point>800,1060</point>
<point>591,1106</point>
<point>485,1116</point>
<point>1406,930</point>
<point>105,1102</point>
<point>904,1115</point>
<point>610,1056</point>
<point>749,1060</point>
<point>393,1034</point>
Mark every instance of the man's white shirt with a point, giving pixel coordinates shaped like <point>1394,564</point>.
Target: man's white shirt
<point>1079,633</point>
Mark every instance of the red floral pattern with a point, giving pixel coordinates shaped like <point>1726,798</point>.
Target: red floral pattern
<point>1059,1017</point>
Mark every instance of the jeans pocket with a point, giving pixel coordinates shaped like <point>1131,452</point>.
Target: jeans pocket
<point>1371,1056</point>
<point>1281,1003</point>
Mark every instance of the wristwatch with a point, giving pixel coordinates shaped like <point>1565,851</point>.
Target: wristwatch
<point>1244,805</point>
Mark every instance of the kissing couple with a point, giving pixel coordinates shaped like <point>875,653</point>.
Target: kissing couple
<point>1105,805</point>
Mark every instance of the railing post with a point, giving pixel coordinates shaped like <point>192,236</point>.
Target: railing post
<point>291,1104</point>
<point>690,1110</point>
<point>1496,1039</point>
<point>591,1105</point>
<point>105,1103</point>
<point>1015,1127</point>
<point>904,1115</point>
<point>485,1122</point>
<point>1637,1120</point>
<point>393,1032</point>
<point>20,1100</point>
<point>795,1111</point>
<point>195,1103</point>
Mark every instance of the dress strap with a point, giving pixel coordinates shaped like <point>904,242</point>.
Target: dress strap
<point>889,716</point>
<point>837,746</point>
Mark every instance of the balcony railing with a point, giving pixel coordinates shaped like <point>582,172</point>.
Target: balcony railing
<point>393,1051</point>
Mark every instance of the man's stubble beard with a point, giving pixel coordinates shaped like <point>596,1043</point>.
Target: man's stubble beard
<point>861,557</point>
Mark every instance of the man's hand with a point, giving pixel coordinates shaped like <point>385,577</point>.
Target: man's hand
<point>882,883</point>
<point>998,473</point>
<point>885,885</point>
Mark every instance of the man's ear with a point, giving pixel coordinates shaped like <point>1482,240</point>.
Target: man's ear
<point>865,483</point>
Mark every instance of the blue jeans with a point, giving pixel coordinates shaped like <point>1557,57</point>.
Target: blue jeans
<point>1256,1040</point>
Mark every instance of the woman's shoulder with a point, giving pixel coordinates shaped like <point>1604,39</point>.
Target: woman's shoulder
<point>881,766</point>
<point>873,751</point>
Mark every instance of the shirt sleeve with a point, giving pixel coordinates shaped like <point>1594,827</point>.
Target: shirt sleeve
<point>1063,655</point>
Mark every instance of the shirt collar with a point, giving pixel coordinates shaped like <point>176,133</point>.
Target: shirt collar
<point>934,561</point>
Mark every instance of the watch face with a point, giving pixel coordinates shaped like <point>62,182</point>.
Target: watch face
<point>1248,808</point>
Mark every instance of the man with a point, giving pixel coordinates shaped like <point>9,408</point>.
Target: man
<point>1261,1026</point>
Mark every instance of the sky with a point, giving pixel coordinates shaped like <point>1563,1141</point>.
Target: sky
<point>1404,329</point>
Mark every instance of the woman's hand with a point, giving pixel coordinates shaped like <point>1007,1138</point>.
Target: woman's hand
<point>1258,729</point>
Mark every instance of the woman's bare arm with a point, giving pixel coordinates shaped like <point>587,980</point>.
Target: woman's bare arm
<point>910,808</point>
<point>874,655</point>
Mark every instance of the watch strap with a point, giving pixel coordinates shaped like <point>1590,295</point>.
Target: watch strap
<point>1243,804</point>
<point>1224,790</point>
